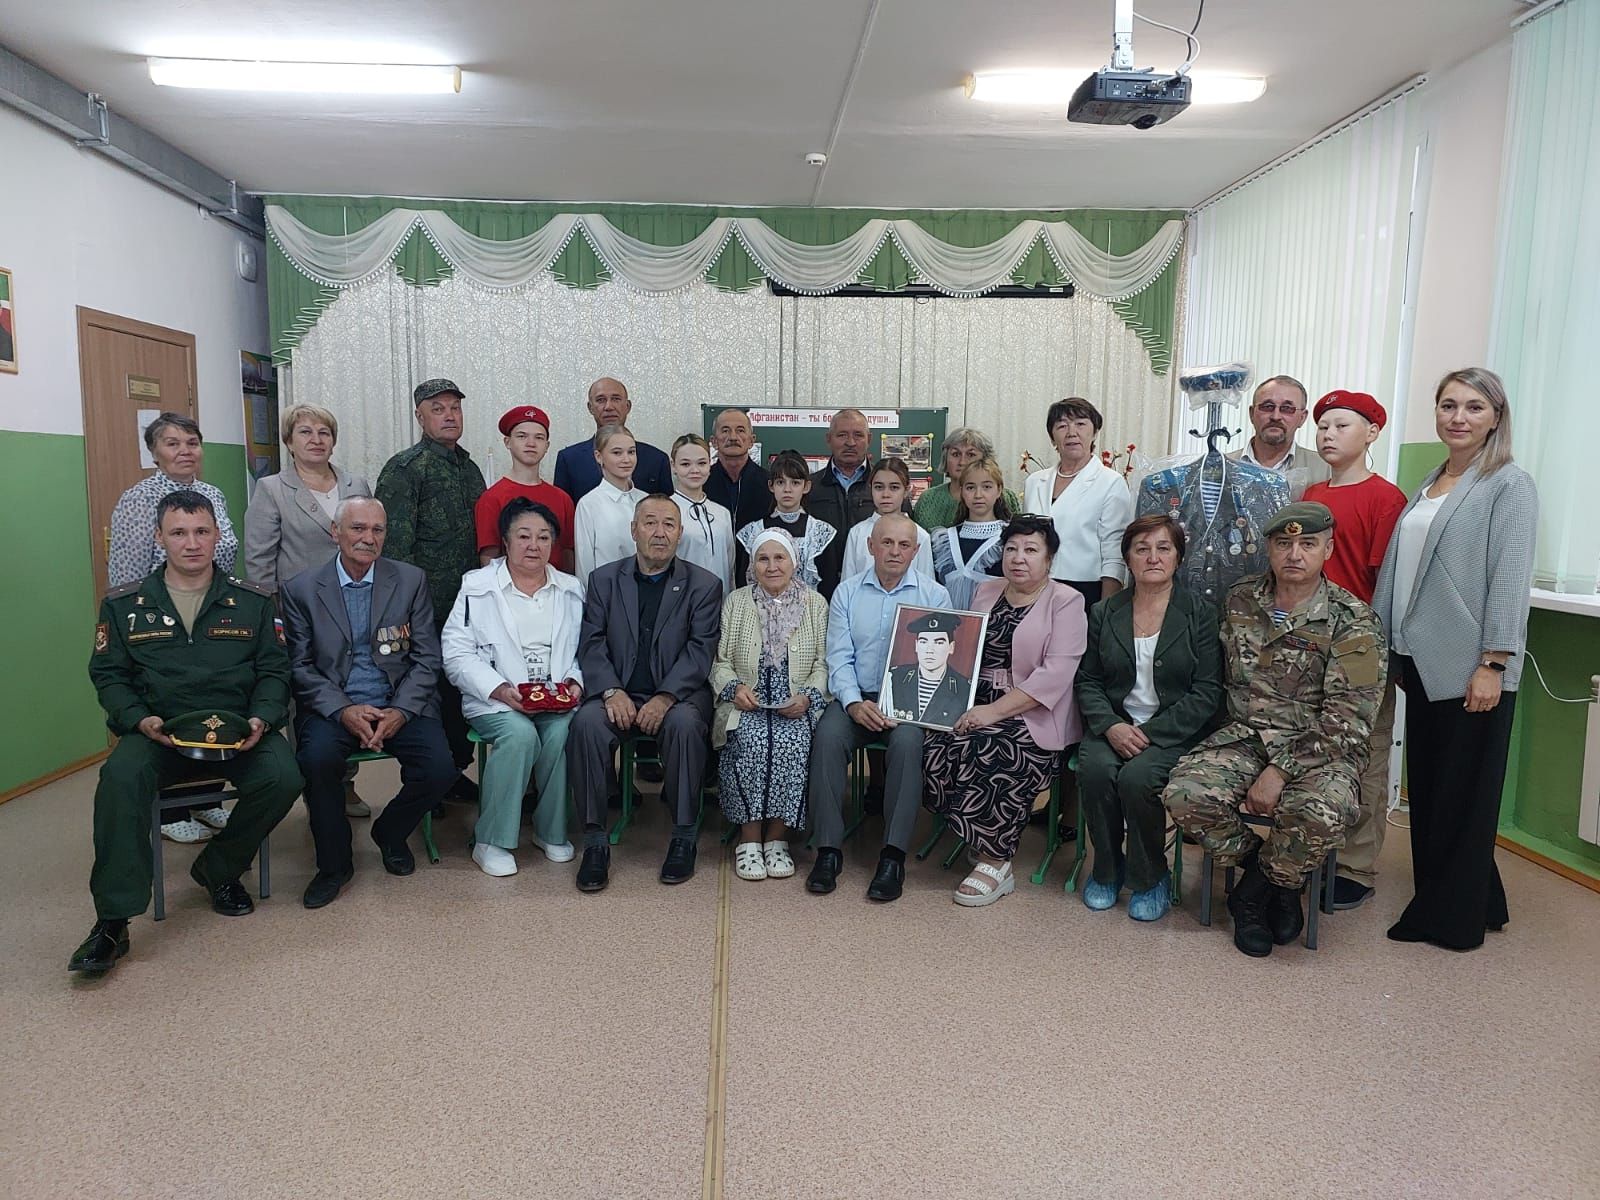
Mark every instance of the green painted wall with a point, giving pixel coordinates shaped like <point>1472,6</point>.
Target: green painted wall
<point>48,714</point>
<point>1544,772</point>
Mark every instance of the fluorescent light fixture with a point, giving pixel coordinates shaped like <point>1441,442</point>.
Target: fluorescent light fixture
<point>1051,88</point>
<point>244,76</point>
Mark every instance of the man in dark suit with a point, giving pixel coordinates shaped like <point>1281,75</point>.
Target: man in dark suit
<point>577,470</point>
<point>927,691</point>
<point>841,492</point>
<point>365,656</point>
<point>650,629</point>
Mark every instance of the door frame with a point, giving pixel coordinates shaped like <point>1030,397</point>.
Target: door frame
<point>90,318</point>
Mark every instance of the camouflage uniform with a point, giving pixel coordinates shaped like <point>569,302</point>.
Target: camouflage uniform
<point>1301,696</point>
<point>428,493</point>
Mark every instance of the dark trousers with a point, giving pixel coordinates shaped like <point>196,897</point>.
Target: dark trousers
<point>836,738</point>
<point>426,771</point>
<point>1455,770</point>
<point>455,725</point>
<point>1122,798</point>
<point>592,741</point>
<point>265,778</point>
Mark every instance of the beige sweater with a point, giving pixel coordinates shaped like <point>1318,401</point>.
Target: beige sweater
<point>739,654</point>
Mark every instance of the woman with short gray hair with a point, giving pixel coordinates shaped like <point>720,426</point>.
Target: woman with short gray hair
<point>1453,598</point>
<point>175,443</point>
<point>936,507</point>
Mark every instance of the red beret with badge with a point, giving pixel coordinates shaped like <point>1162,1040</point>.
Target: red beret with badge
<point>523,412</point>
<point>1356,402</point>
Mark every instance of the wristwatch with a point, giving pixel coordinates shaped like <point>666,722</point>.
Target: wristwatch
<point>1493,666</point>
<point>609,692</point>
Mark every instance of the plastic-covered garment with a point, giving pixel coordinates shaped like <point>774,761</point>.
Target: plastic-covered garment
<point>1226,544</point>
<point>1221,383</point>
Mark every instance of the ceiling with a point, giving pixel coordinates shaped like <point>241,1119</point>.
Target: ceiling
<point>718,101</point>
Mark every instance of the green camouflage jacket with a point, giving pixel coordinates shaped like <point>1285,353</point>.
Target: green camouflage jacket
<point>428,493</point>
<point>1310,688</point>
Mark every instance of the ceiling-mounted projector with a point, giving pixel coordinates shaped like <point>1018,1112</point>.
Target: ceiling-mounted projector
<point>1120,95</point>
<point>1143,99</point>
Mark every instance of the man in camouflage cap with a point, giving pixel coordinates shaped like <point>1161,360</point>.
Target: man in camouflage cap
<point>1304,669</point>
<point>429,491</point>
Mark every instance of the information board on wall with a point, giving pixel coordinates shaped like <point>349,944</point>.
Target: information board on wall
<point>913,434</point>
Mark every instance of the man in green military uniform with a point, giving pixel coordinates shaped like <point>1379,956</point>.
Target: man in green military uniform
<point>1304,665</point>
<point>429,491</point>
<point>187,636</point>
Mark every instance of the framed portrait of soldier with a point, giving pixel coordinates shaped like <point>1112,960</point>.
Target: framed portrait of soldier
<point>932,671</point>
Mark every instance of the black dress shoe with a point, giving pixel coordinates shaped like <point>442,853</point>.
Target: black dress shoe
<point>888,881</point>
<point>230,899</point>
<point>594,872</point>
<point>324,887</point>
<point>107,942</point>
<point>1347,893</point>
<point>463,791</point>
<point>1285,918</point>
<point>1248,904</point>
<point>824,875</point>
<point>397,858</point>
<point>679,864</point>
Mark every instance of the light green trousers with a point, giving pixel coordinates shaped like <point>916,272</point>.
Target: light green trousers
<point>522,745</point>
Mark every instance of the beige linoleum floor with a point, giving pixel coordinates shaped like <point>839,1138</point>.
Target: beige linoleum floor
<point>452,1035</point>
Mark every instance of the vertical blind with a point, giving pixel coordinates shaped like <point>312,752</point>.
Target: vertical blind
<point>1300,271</point>
<point>1547,285</point>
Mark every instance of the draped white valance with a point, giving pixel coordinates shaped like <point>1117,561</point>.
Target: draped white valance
<point>344,261</point>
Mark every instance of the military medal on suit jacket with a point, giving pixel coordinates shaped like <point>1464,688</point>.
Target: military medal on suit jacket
<point>393,639</point>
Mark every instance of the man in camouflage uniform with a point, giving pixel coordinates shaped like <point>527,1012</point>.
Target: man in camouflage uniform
<point>184,637</point>
<point>1304,667</point>
<point>429,491</point>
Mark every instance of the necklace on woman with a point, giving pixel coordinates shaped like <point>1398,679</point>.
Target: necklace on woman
<point>1069,476</point>
<point>1023,599</point>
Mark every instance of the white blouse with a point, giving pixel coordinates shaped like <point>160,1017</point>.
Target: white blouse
<point>1141,702</point>
<point>857,558</point>
<point>1409,541</point>
<point>707,537</point>
<point>601,527</point>
<point>1090,515</point>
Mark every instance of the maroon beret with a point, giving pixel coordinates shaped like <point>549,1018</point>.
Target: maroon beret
<point>1357,402</point>
<point>523,412</point>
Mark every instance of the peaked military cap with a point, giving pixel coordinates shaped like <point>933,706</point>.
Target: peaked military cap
<point>209,735</point>
<point>429,388</point>
<point>1301,517</point>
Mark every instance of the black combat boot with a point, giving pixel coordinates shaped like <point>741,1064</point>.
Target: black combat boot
<point>1248,904</point>
<point>1284,915</point>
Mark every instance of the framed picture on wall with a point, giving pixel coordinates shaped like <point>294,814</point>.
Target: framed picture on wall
<point>8,325</point>
<point>932,673</point>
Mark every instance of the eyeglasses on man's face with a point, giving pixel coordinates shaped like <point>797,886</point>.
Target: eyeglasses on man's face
<point>1288,408</point>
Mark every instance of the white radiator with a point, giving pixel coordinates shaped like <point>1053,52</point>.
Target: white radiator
<point>1589,809</point>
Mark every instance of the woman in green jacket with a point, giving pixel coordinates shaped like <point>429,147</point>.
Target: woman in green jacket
<point>1149,689</point>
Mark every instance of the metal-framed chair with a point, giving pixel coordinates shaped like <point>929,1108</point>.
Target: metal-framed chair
<point>629,757</point>
<point>181,795</point>
<point>1319,885</point>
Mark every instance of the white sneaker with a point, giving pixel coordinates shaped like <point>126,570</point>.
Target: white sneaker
<point>556,852</point>
<point>779,864</point>
<point>216,817</point>
<point>187,832</point>
<point>494,860</point>
<point>748,862</point>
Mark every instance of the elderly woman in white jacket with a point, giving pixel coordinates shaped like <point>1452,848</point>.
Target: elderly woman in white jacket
<point>516,621</point>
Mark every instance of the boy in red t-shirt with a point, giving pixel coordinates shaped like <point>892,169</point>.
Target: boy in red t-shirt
<point>1365,510</point>
<point>526,430</point>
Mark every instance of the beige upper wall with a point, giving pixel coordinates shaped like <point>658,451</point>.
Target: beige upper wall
<point>77,229</point>
<point>1465,115</point>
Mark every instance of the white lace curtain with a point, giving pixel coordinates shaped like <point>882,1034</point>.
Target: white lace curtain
<point>345,260</point>
<point>993,363</point>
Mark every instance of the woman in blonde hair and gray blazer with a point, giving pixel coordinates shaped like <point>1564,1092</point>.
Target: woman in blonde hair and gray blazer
<point>1453,598</point>
<point>289,525</point>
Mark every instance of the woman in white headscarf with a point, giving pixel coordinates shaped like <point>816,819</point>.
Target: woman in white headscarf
<point>770,678</point>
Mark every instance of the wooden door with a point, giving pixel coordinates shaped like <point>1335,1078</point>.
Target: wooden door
<point>127,368</point>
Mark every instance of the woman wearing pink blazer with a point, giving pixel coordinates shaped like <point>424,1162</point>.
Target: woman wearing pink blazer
<point>983,776</point>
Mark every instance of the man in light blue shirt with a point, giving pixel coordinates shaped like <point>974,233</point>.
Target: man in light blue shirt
<point>860,632</point>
